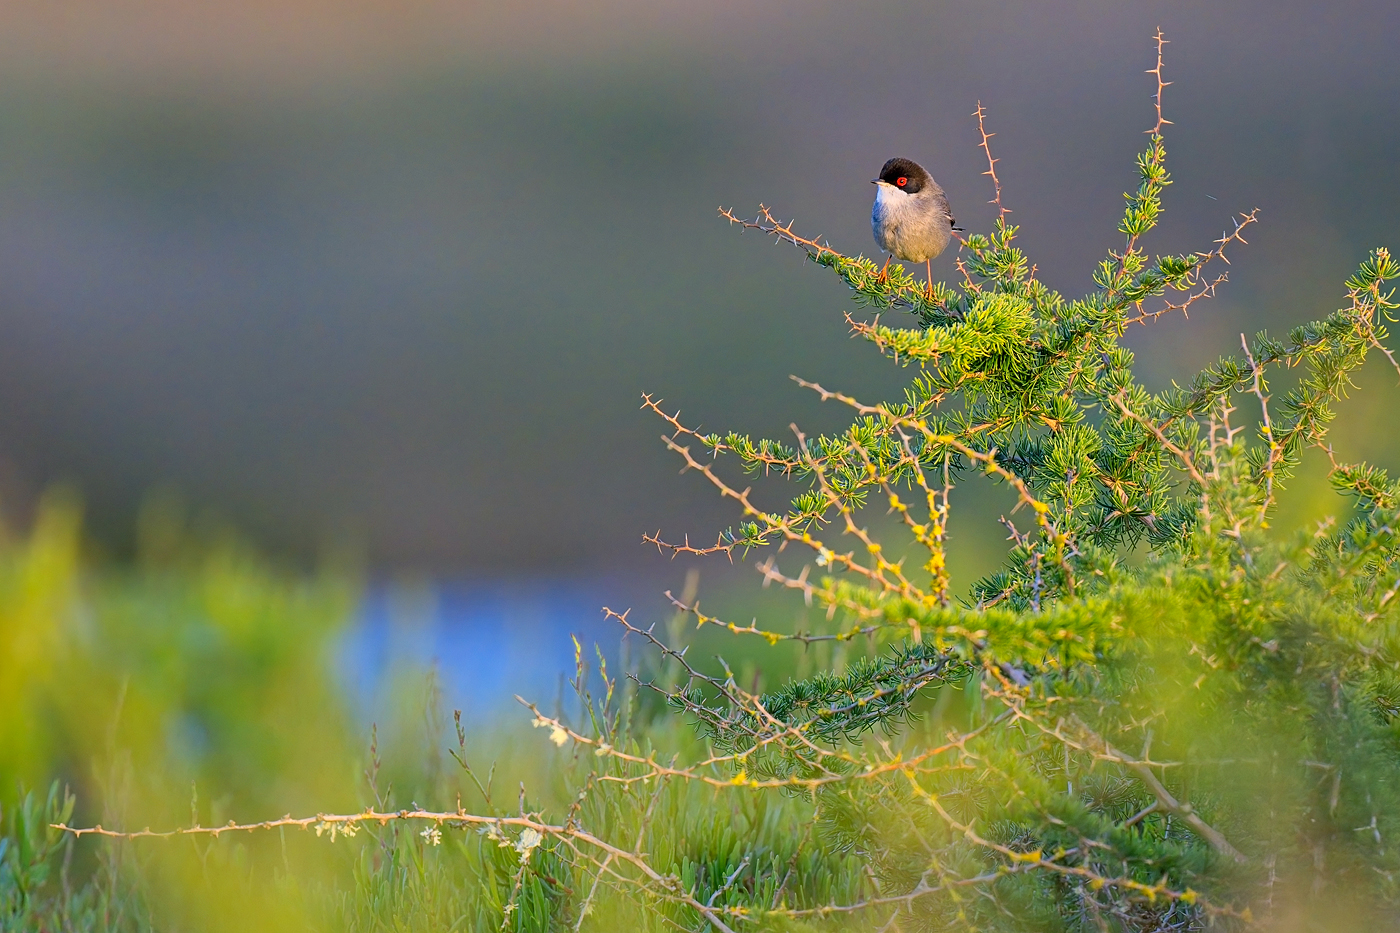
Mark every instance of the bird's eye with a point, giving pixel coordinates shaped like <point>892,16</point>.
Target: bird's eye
<point>901,181</point>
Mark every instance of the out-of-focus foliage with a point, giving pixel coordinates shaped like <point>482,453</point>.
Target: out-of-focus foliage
<point>203,665</point>
<point>192,687</point>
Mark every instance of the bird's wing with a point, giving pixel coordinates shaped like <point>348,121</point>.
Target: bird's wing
<point>948,211</point>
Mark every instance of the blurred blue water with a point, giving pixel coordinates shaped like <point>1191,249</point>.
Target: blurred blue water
<point>488,641</point>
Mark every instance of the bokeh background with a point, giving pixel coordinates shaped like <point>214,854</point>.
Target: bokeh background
<point>387,279</point>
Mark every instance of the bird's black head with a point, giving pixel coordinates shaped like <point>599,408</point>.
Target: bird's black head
<point>906,175</point>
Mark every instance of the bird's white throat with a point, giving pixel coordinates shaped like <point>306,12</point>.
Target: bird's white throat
<point>887,195</point>
<point>892,204</point>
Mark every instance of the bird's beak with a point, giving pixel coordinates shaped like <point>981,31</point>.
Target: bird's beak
<point>874,181</point>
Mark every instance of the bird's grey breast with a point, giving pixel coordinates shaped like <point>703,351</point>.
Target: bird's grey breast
<point>886,216</point>
<point>911,227</point>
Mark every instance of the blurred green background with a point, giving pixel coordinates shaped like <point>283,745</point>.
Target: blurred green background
<point>374,287</point>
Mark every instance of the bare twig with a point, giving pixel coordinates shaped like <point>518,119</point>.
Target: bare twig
<point>980,114</point>
<point>1194,285</point>
<point>1267,425</point>
<point>1157,98</point>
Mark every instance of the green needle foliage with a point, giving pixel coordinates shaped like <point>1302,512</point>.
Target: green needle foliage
<point>1171,717</point>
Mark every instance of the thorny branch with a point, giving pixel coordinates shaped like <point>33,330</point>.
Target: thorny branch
<point>887,576</point>
<point>1187,462</point>
<point>667,886</point>
<point>1267,426</point>
<point>604,857</point>
<point>1161,40</point>
<point>771,637</point>
<point>892,288</point>
<point>981,114</point>
<point>1196,288</point>
<point>1087,740</point>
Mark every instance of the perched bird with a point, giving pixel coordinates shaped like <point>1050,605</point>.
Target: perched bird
<point>911,219</point>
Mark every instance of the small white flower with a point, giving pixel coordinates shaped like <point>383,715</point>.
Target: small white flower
<point>824,557</point>
<point>529,839</point>
<point>349,829</point>
<point>557,733</point>
<point>432,835</point>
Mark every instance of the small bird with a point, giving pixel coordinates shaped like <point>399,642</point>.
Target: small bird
<point>911,219</point>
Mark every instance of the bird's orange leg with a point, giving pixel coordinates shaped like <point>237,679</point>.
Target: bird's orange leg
<point>884,270</point>
<point>928,267</point>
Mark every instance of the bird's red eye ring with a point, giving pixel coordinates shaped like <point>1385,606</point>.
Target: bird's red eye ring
<point>901,181</point>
